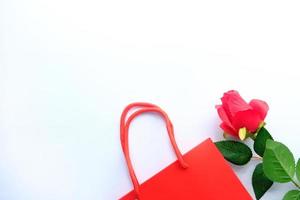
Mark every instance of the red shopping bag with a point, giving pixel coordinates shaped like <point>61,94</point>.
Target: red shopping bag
<point>200,174</point>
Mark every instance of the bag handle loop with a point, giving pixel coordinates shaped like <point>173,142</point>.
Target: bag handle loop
<point>124,127</point>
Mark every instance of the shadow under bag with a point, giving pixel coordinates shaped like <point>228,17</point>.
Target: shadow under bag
<point>200,174</point>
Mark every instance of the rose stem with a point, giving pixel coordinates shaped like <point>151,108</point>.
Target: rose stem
<point>296,184</point>
<point>257,157</point>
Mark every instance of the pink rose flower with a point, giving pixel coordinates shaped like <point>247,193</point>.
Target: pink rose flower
<point>236,114</point>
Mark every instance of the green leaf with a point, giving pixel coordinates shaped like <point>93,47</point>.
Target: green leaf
<point>235,152</point>
<point>260,141</point>
<point>278,162</point>
<point>298,170</point>
<point>292,195</point>
<point>260,182</point>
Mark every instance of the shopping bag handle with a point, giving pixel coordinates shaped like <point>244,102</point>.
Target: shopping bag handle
<point>125,113</point>
<point>124,127</point>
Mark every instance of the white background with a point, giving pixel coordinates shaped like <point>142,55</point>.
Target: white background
<point>68,67</point>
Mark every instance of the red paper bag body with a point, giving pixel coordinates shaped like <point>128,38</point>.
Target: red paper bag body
<point>208,177</point>
<point>200,174</point>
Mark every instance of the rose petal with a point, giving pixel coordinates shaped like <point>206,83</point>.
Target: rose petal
<point>228,130</point>
<point>260,106</point>
<point>224,117</point>
<point>250,119</point>
<point>233,103</point>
